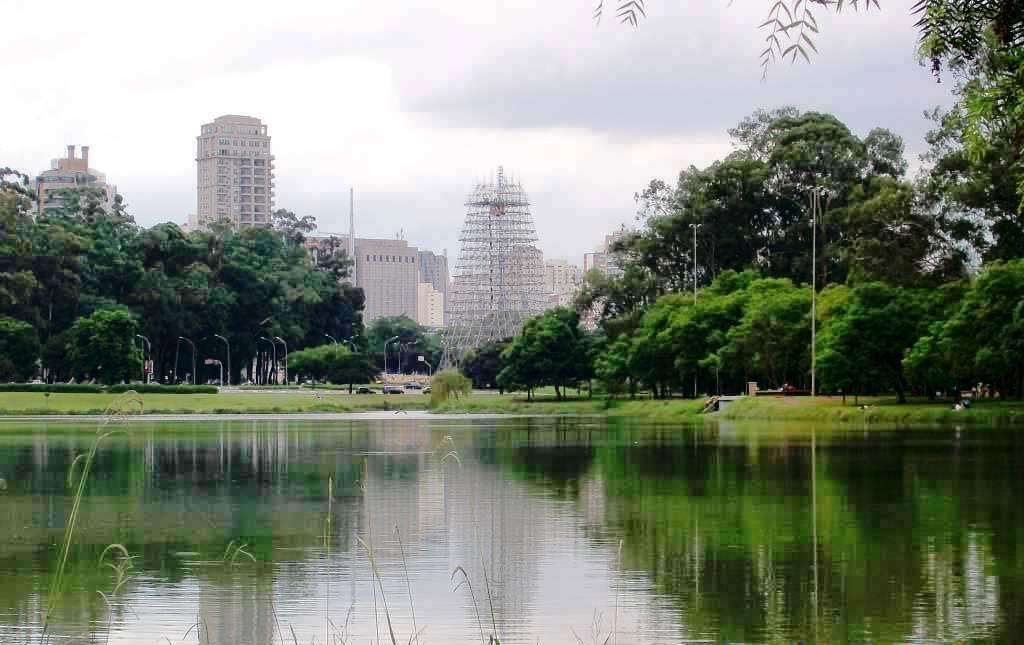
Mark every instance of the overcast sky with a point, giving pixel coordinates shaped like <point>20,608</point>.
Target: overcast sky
<point>413,102</point>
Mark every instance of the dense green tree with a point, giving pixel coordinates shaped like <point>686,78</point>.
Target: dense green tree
<point>292,226</point>
<point>863,344</point>
<point>102,347</point>
<point>19,349</point>
<point>772,337</point>
<point>483,364</point>
<point>611,367</point>
<point>332,363</point>
<point>551,350</point>
<point>414,339</point>
<point>243,284</point>
<point>983,339</point>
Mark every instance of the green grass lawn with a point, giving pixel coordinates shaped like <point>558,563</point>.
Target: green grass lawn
<point>821,409</point>
<point>879,409</point>
<point>33,403</point>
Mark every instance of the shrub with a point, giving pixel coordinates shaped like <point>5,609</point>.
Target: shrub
<point>156,388</point>
<point>446,384</point>
<point>85,388</point>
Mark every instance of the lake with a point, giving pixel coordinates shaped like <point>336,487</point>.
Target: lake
<point>557,530</point>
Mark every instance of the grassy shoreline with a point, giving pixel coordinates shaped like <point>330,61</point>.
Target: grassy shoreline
<point>826,409</point>
<point>821,409</point>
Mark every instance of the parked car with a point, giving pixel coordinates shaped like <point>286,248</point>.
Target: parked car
<point>426,390</point>
<point>362,389</point>
<point>393,389</point>
<point>413,386</point>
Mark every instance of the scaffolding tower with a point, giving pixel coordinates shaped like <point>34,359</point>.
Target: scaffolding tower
<point>499,278</point>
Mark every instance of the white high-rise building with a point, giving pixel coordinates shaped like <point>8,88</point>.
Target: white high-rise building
<point>429,305</point>
<point>235,172</point>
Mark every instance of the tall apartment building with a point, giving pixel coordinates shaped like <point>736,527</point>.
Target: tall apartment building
<point>429,305</point>
<point>388,273</point>
<point>605,260</point>
<point>72,173</point>
<point>562,281</point>
<point>434,270</point>
<point>235,172</point>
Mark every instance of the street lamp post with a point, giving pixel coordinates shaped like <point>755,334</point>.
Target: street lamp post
<point>386,343</point>
<point>273,355</point>
<point>193,345</point>
<point>332,338</point>
<point>278,338</point>
<point>220,365</point>
<point>695,226</point>
<point>228,352</point>
<point>406,346</point>
<point>146,344</point>
<point>815,207</point>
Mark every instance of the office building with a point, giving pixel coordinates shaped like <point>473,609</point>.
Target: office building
<point>234,172</point>
<point>72,173</point>
<point>388,273</point>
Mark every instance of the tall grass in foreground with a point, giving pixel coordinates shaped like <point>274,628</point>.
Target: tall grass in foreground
<point>121,562</point>
<point>126,405</point>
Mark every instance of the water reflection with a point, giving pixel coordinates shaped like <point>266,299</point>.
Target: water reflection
<point>564,527</point>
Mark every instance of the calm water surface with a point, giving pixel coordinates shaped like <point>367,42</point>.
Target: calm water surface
<point>567,529</point>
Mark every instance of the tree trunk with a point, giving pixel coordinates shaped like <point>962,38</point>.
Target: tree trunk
<point>558,393</point>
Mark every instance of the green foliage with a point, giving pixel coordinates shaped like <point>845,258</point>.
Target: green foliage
<point>156,388</point>
<point>447,384</point>
<point>483,364</point>
<point>551,350</point>
<point>414,338</point>
<point>772,338</point>
<point>611,367</point>
<point>982,340</point>
<point>75,388</point>
<point>862,346</point>
<point>102,347</point>
<point>332,363</point>
<point>239,284</point>
<point>19,348</point>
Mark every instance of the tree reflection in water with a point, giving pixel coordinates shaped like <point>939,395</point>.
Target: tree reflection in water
<point>727,532</point>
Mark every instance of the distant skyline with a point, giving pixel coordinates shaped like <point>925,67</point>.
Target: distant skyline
<point>413,104</point>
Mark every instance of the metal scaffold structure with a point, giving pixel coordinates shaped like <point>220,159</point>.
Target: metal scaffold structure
<point>499,278</point>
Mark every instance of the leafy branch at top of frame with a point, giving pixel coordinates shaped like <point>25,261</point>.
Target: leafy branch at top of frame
<point>628,12</point>
<point>791,25</point>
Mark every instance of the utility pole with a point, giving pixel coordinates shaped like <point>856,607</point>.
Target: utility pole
<point>193,345</point>
<point>145,345</point>
<point>278,338</point>
<point>815,206</point>
<point>228,345</point>
<point>273,355</point>
<point>695,226</point>
<point>174,372</point>
<point>386,343</point>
